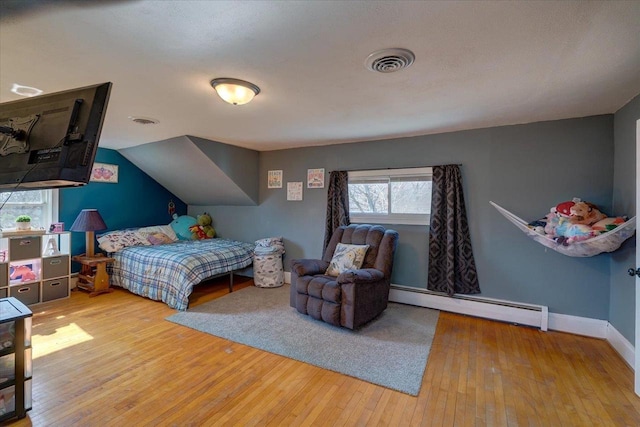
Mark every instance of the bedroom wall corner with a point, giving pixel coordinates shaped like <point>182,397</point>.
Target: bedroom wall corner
<point>622,298</point>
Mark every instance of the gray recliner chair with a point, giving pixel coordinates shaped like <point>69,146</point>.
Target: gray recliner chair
<point>354,297</point>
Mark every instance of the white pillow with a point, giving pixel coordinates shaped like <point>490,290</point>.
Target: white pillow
<point>119,239</point>
<point>346,257</point>
<point>164,229</point>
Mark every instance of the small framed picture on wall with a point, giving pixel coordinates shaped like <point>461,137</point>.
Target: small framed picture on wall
<point>315,178</point>
<point>274,179</point>
<point>294,191</point>
<point>104,172</point>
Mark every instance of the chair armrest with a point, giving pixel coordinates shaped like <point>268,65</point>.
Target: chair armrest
<point>365,275</point>
<point>308,267</point>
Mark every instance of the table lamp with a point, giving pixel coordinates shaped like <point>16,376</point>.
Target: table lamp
<point>89,220</point>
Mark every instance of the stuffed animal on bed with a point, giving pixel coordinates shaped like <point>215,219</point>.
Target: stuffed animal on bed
<point>205,222</point>
<point>203,229</point>
<point>181,225</point>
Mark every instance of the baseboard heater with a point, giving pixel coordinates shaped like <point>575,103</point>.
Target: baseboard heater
<point>488,308</point>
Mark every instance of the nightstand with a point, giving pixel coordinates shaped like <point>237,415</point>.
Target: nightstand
<point>93,276</point>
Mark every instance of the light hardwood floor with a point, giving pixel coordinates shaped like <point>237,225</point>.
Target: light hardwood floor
<point>113,360</point>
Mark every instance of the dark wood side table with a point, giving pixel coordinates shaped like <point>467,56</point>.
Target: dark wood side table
<point>93,276</point>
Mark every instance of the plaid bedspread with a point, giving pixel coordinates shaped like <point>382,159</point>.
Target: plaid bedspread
<point>168,272</point>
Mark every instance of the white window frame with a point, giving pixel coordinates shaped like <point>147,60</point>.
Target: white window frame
<point>51,206</point>
<point>390,218</point>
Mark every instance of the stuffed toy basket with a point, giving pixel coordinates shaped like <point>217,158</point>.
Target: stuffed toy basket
<point>606,242</point>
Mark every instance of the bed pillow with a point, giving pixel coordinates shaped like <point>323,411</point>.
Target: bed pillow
<point>159,239</point>
<point>116,240</point>
<point>164,229</point>
<point>346,257</point>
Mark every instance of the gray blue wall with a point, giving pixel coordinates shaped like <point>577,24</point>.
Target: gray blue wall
<point>622,305</point>
<point>525,168</point>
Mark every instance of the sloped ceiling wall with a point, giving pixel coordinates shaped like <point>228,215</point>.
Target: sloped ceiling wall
<point>200,171</point>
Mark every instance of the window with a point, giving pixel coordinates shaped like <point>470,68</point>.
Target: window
<point>392,196</point>
<point>40,205</point>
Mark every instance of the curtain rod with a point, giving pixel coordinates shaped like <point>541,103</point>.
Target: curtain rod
<point>378,169</point>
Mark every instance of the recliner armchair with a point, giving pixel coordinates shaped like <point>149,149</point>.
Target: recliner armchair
<point>354,297</point>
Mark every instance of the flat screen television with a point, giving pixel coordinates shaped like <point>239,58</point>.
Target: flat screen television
<point>50,141</point>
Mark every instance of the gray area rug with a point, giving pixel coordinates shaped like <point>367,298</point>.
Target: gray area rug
<point>390,351</point>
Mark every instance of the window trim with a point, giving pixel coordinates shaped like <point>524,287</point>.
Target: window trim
<point>51,203</point>
<point>390,218</point>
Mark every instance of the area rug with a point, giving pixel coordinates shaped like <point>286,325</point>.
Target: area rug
<point>390,351</point>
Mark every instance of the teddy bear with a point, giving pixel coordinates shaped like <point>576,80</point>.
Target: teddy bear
<point>558,216</point>
<point>585,213</point>
<point>205,221</point>
<point>203,228</point>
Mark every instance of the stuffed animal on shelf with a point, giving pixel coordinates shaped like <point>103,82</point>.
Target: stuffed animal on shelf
<point>585,213</point>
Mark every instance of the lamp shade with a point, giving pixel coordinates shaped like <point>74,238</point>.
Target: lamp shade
<point>88,220</point>
<point>234,91</point>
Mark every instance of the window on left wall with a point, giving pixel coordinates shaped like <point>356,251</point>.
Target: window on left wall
<point>40,205</point>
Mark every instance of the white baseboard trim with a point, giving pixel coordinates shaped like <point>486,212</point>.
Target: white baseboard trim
<point>512,312</point>
<point>621,345</point>
<point>505,311</point>
<point>522,314</point>
<point>578,325</point>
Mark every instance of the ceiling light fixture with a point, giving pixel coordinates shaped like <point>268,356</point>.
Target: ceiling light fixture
<point>234,91</point>
<point>25,90</point>
<point>143,120</point>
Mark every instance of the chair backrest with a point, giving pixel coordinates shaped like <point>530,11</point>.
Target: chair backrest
<point>382,245</point>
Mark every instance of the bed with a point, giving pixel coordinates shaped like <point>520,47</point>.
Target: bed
<point>167,272</point>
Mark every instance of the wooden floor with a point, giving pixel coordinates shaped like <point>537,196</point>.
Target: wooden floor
<point>113,360</point>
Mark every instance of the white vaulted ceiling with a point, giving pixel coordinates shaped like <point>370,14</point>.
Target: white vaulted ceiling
<point>478,64</point>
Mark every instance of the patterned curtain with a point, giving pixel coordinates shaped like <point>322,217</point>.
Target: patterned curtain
<point>337,204</point>
<point>452,268</point>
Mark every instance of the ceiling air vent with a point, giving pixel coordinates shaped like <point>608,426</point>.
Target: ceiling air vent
<point>389,60</point>
<point>143,120</point>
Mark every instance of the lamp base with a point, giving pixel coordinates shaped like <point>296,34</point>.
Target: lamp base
<point>90,237</point>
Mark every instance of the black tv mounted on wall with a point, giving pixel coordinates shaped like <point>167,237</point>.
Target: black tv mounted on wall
<point>50,141</point>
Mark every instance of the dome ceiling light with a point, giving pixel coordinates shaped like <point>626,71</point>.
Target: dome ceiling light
<point>234,91</point>
<point>143,120</point>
